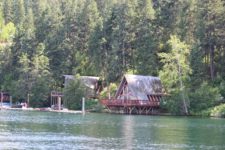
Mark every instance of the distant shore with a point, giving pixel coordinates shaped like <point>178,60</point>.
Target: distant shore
<point>45,110</point>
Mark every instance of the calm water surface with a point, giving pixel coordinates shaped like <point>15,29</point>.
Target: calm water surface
<point>49,130</point>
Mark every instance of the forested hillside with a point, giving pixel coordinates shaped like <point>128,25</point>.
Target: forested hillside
<point>182,41</point>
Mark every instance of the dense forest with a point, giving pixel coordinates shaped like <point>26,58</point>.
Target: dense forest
<point>182,41</point>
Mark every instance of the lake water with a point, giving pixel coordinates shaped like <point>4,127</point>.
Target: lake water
<point>50,130</point>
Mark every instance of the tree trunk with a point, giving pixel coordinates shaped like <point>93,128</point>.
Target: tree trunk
<point>182,89</point>
<point>212,68</point>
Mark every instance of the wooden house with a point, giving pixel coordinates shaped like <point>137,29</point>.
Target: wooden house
<point>136,94</point>
<point>91,84</point>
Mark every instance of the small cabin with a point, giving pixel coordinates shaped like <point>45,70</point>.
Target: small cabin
<point>91,83</point>
<point>136,94</point>
<point>92,89</point>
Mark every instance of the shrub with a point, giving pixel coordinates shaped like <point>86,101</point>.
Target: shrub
<point>112,88</point>
<point>93,105</point>
<point>173,103</point>
<point>204,97</point>
<point>73,94</point>
<point>218,111</point>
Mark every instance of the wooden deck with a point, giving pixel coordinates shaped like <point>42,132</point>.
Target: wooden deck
<point>137,103</point>
<point>131,106</point>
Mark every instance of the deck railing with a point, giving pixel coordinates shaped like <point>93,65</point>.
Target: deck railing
<point>55,93</point>
<point>118,102</point>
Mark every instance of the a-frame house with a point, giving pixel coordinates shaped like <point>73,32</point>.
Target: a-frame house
<point>136,94</point>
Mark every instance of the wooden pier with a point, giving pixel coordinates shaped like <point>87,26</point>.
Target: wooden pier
<point>131,106</point>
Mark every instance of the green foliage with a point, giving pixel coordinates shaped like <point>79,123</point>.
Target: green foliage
<point>203,113</point>
<point>7,32</point>
<point>176,70</point>
<point>145,60</point>
<point>222,88</point>
<point>8,10</point>
<point>43,39</point>
<point>73,94</point>
<point>19,12</point>
<point>34,78</point>
<point>173,103</point>
<point>111,89</point>
<point>93,105</point>
<point>204,97</point>
<point>40,92</point>
<point>177,57</point>
<point>218,111</point>
<point>90,103</point>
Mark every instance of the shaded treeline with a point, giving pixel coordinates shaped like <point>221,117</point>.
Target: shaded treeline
<point>181,41</point>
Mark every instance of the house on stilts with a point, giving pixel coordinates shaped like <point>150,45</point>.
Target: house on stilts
<point>136,94</point>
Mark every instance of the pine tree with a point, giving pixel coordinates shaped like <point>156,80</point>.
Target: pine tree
<point>8,11</point>
<point>19,12</point>
<point>146,44</point>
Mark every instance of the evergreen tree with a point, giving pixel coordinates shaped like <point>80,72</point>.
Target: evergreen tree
<point>8,10</point>
<point>19,12</point>
<point>146,61</point>
<point>110,38</point>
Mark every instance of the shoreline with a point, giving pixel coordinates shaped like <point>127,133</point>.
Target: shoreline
<point>106,112</point>
<point>45,110</point>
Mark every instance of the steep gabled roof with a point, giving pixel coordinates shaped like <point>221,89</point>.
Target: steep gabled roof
<point>67,79</point>
<point>139,87</point>
<point>88,81</point>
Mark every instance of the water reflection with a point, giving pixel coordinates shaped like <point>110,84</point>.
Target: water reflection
<point>128,131</point>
